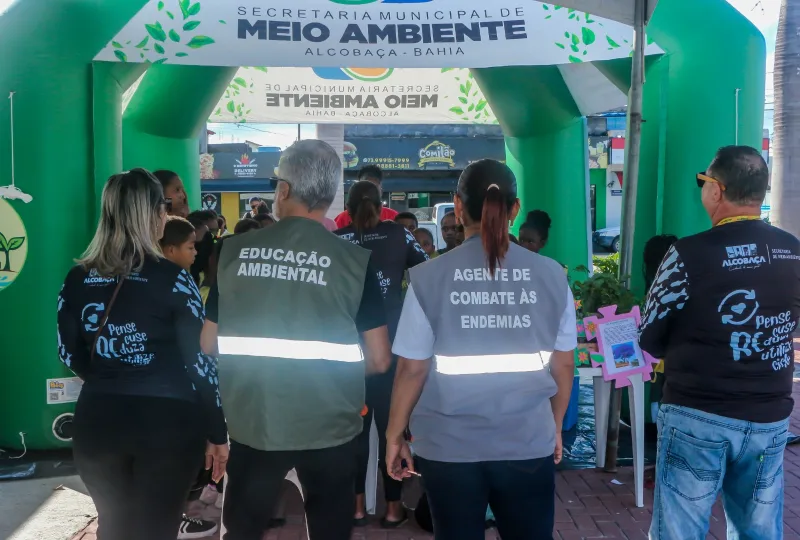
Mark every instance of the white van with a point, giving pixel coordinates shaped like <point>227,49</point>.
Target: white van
<point>435,224</point>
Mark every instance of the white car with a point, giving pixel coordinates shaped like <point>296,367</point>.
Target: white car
<point>12,193</point>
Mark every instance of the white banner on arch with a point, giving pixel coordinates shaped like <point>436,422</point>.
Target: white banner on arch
<point>366,33</point>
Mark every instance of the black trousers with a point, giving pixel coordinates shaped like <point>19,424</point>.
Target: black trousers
<point>378,400</point>
<point>138,458</point>
<point>520,493</point>
<point>254,485</point>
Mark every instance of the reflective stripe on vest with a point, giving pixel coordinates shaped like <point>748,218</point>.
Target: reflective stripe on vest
<point>492,363</point>
<point>289,348</point>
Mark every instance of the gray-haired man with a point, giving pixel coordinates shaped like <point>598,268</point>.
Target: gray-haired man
<point>292,375</point>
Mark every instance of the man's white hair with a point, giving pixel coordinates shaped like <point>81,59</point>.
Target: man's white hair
<point>313,170</point>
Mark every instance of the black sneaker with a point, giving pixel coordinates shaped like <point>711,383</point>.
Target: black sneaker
<point>195,528</point>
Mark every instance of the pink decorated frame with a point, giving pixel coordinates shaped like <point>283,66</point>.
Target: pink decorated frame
<point>609,314</point>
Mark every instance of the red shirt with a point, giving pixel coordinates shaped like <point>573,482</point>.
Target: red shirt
<point>344,219</point>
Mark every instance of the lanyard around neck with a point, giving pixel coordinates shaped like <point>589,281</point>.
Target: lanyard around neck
<point>736,219</point>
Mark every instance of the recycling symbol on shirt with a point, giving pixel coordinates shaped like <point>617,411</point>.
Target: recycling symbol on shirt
<point>738,307</point>
<point>90,316</point>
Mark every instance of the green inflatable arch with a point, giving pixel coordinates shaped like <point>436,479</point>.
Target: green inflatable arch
<point>70,135</point>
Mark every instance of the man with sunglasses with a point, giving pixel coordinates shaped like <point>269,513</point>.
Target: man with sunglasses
<point>721,312</point>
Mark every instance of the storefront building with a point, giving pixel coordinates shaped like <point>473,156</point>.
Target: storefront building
<point>419,172</point>
<point>229,179</point>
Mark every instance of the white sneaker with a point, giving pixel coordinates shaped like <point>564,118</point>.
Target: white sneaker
<point>195,528</point>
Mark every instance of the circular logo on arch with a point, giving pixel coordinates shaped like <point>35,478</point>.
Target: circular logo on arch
<point>13,244</point>
<point>362,2</point>
<point>353,74</point>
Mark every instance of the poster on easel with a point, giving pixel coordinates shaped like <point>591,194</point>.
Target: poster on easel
<point>619,353</point>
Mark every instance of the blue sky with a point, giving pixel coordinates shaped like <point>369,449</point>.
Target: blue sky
<point>762,13</point>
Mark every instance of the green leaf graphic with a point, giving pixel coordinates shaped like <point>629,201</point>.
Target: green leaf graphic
<point>181,54</point>
<point>3,243</point>
<point>574,59</point>
<point>549,17</point>
<point>200,41</point>
<point>566,35</point>
<point>575,39</point>
<point>445,70</point>
<point>160,61</point>
<point>142,44</point>
<point>170,15</point>
<point>160,6</point>
<point>218,111</point>
<point>560,46</point>
<point>612,43</point>
<point>222,22</point>
<point>457,110</point>
<point>184,5</point>
<point>191,25</point>
<point>241,82</point>
<point>174,36</point>
<point>545,7</point>
<point>463,89</point>
<point>156,32</point>
<point>471,108</point>
<point>588,36</point>
<point>159,49</point>
<point>259,68</point>
<point>231,106</point>
<point>574,48</point>
<point>194,9</point>
<point>463,100</point>
<point>121,55</point>
<point>481,105</point>
<point>116,45</point>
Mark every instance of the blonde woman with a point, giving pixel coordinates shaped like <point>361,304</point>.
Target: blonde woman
<point>129,325</point>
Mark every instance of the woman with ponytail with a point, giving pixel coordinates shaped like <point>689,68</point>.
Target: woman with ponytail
<point>486,342</point>
<point>394,250</point>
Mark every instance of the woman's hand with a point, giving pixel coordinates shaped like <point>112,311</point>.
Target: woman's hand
<point>397,451</point>
<point>558,453</point>
<point>217,459</point>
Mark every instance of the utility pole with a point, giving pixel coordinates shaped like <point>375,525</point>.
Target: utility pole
<point>631,181</point>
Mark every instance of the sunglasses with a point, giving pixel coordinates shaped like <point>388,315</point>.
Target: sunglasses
<point>703,178</point>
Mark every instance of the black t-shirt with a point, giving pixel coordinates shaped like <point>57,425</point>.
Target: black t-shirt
<point>394,250</point>
<point>721,312</point>
<point>370,314</point>
<point>150,345</point>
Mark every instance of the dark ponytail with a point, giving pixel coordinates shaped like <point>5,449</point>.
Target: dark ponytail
<point>364,205</point>
<point>488,190</point>
<point>494,227</point>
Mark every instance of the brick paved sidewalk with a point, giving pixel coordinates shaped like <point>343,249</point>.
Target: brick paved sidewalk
<point>588,505</point>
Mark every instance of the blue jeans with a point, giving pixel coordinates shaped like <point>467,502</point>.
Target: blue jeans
<point>521,495</point>
<point>701,454</point>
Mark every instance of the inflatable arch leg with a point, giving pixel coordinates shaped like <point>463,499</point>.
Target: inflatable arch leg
<point>546,148</point>
<point>48,48</point>
<point>717,60</point>
<point>165,116</point>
